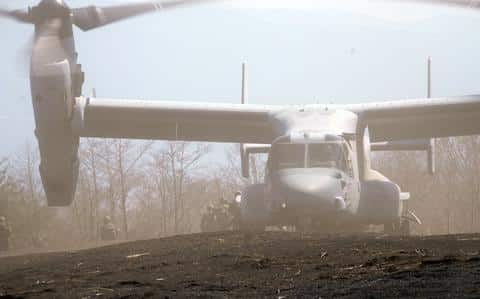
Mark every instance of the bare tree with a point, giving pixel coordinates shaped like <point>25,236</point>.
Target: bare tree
<point>181,158</point>
<point>90,176</point>
<point>442,200</point>
<point>228,176</point>
<point>120,159</point>
<point>107,163</point>
<point>5,186</point>
<point>159,171</point>
<point>27,171</point>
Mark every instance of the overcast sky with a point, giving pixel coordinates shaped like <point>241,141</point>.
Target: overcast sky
<point>298,52</point>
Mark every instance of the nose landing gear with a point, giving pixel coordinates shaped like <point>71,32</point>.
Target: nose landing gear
<point>402,226</point>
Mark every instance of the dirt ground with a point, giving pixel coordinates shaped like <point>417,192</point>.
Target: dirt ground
<point>264,265</point>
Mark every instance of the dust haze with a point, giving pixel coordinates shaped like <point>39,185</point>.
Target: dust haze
<point>376,199</point>
<point>153,190</point>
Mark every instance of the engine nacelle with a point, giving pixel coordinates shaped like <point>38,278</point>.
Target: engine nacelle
<point>53,107</point>
<point>252,205</point>
<point>379,202</point>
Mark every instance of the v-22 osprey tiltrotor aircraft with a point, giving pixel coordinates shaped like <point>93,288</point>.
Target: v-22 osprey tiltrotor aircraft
<point>318,164</point>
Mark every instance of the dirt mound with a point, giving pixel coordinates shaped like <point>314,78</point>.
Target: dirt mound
<point>274,265</point>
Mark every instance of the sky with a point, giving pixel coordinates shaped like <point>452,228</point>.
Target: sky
<point>298,52</point>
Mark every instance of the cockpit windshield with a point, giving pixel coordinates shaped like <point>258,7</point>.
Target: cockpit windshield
<point>288,155</point>
<point>310,155</point>
<point>326,155</point>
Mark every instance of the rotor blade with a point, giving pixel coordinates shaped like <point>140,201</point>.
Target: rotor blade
<point>92,17</point>
<point>19,15</point>
<point>473,4</point>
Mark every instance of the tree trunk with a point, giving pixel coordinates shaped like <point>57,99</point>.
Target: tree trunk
<point>123,195</point>
<point>175,195</point>
<point>94,199</point>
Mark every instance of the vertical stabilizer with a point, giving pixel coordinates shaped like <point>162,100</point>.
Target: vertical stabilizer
<point>244,83</point>
<point>429,77</point>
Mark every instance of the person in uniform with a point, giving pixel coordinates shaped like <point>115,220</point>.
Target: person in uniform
<point>5,232</point>
<point>222,215</point>
<point>108,231</point>
<point>235,211</point>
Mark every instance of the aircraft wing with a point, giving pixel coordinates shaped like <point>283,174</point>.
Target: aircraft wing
<point>184,121</point>
<point>424,118</point>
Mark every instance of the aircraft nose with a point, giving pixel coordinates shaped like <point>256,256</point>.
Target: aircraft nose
<point>320,192</point>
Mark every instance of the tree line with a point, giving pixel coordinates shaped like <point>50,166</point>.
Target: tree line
<point>148,189</point>
<point>157,189</point>
<point>448,201</point>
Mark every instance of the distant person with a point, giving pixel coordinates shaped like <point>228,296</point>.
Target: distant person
<point>223,204</point>
<point>108,231</point>
<point>235,212</point>
<point>222,216</point>
<point>5,232</point>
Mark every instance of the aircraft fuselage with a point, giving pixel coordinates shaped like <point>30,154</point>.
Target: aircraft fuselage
<point>311,177</point>
<point>319,169</point>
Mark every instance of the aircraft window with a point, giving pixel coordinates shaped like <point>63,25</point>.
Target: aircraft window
<point>327,155</point>
<point>290,155</point>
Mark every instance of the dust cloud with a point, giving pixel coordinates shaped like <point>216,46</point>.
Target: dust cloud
<point>153,190</point>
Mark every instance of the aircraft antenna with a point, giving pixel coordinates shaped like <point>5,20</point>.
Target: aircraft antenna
<point>429,77</point>
<point>244,157</point>
<point>244,83</point>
